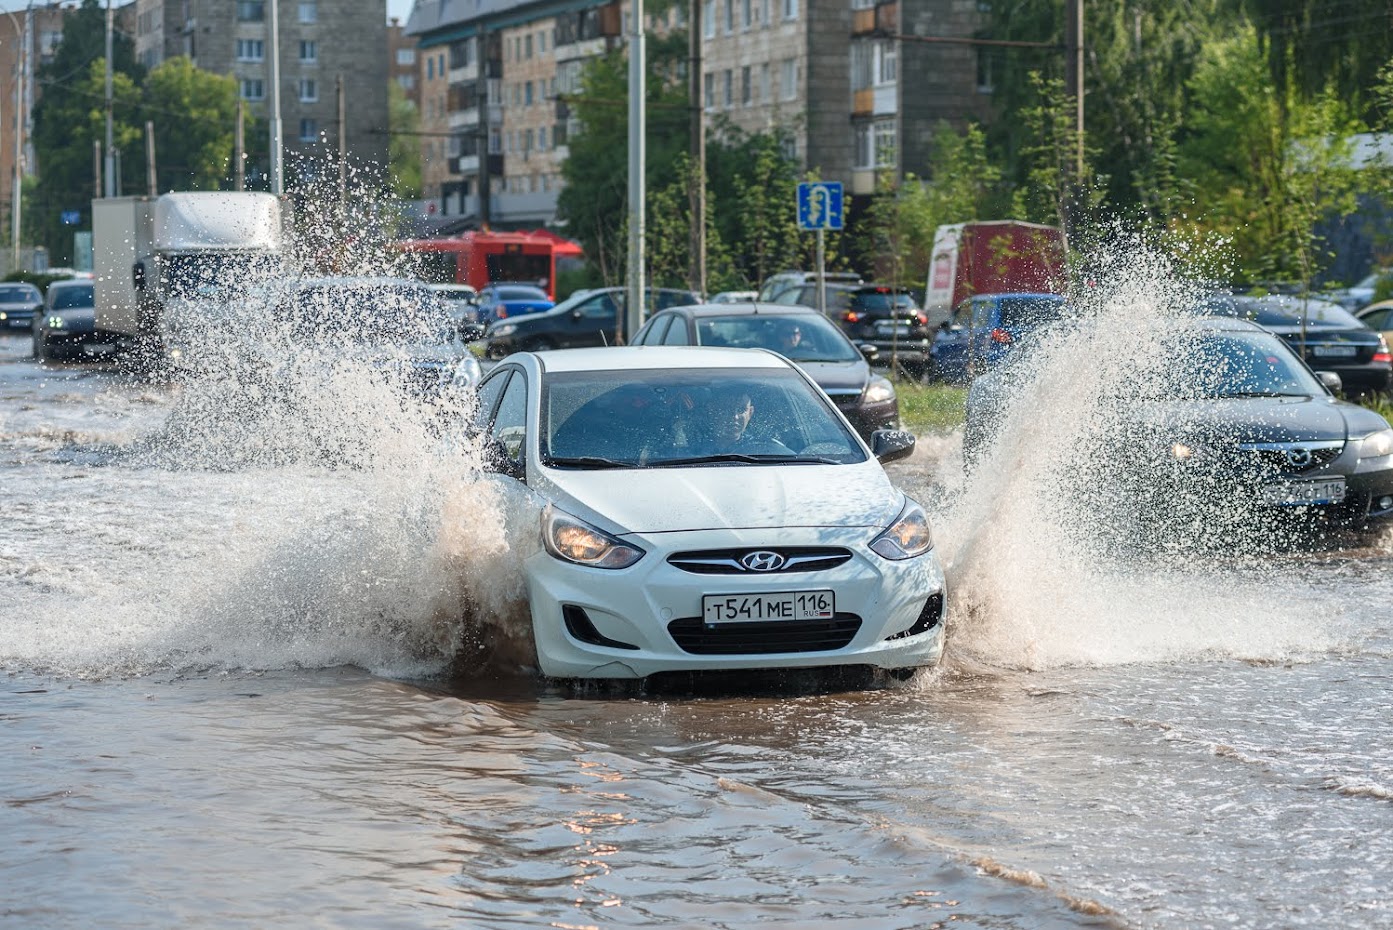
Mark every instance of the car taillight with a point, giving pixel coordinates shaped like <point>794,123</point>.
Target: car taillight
<point>923,319</point>
<point>1001,336</point>
<point>502,311</point>
<point>851,316</point>
<point>1382,354</point>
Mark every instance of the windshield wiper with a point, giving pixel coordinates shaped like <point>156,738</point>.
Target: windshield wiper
<point>1261,394</point>
<point>746,458</point>
<point>587,461</point>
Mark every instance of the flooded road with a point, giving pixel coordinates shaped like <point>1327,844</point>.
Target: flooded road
<point>223,704</point>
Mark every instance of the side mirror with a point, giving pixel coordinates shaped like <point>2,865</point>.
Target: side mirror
<point>138,276</point>
<point>870,352</point>
<point>575,314</point>
<point>1331,381</point>
<point>891,445</point>
<point>497,460</point>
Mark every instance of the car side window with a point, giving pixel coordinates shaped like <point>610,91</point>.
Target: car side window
<point>981,314</point>
<point>601,308</point>
<point>510,422</point>
<point>653,333</point>
<point>486,398</point>
<point>676,333</point>
<point>1378,319</point>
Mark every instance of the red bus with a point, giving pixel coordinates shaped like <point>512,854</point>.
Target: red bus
<point>482,257</point>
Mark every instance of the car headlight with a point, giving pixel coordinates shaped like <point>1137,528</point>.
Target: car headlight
<point>56,322</point>
<point>879,391</point>
<point>467,373</point>
<point>908,536</point>
<point>507,329</point>
<point>573,540</point>
<point>1375,451</point>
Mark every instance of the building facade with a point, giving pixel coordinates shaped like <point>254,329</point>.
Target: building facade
<point>401,61</point>
<point>327,48</point>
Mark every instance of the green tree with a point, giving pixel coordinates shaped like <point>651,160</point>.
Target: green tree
<point>753,196</point>
<point>404,146</point>
<point>194,114</point>
<point>70,116</point>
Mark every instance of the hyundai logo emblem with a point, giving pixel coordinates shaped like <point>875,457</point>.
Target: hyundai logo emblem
<point>1299,458</point>
<point>762,561</point>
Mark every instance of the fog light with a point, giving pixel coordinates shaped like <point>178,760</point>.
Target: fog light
<point>1385,502</point>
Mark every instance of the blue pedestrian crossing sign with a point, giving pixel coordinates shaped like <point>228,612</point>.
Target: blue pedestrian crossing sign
<point>820,205</point>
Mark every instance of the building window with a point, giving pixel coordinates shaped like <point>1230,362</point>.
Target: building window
<point>527,94</point>
<point>708,19</point>
<point>309,11</point>
<point>251,11</point>
<point>309,53</point>
<point>710,96</point>
<point>788,81</point>
<point>495,142</point>
<point>430,69</point>
<point>747,12</point>
<point>764,16</point>
<point>862,64</point>
<point>764,83</point>
<point>527,46</point>
<point>253,89</point>
<point>541,42</point>
<point>251,50</point>
<point>886,144</point>
<point>790,9</point>
<point>309,90</point>
<point>746,87</point>
<point>986,70</point>
<point>405,56</point>
<point>889,62</point>
<point>862,4</point>
<point>309,130</point>
<point>864,157</point>
<point>728,98</point>
<point>406,81</point>
<point>542,139</point>
<point>730,16</point>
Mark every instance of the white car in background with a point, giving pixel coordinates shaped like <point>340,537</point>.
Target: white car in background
<point>681,509</point>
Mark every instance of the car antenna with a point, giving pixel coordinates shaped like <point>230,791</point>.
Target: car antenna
<point>603,339</point>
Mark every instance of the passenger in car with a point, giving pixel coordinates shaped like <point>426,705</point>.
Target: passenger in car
<point>732,411</point>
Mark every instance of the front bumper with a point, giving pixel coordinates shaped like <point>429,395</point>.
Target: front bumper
<point>647,619</point>
<point>16,319</point>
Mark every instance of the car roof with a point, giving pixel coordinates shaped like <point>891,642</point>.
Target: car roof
<point>750,308</point>
<point>650,357</point>
<point>71,282</point>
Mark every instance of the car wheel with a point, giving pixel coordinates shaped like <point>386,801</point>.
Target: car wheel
<point>540,344</point>
<point>42,351</point>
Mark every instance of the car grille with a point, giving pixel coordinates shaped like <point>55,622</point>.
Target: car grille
<point>757,638</point>
<point>727,561</point>
<point>845,401</point>
<point>1294,457</point>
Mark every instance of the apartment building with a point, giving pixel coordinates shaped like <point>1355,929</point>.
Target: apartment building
<point>401,66</point>
<point>323,43</point>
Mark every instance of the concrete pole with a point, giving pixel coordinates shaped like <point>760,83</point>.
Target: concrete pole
<point>633,305</point>
<point>343,142</point>
<point>697,275</point>
<point>277,165</point>
<point>110,144</point>
<point>151,184</point>
<point>239,150</point>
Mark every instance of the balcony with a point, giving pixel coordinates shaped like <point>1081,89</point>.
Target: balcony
<point>462,119</point>
<point>862,22</point>
<point>468,73</point>
<point>887,18</point>
<point>863,102</point>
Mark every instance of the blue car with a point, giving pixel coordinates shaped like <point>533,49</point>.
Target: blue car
<point>502,301</point>
<point>983,329</point>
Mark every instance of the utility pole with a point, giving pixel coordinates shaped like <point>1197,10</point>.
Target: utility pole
<point>110,144</point>
<point>633,305</point>
<point>697,272</point>
<point>343,144</point>
<point>277,167</point>
<point>151,184</point>
<point>239,151</point>
<point>1074,82</point>
<point>17,175</point>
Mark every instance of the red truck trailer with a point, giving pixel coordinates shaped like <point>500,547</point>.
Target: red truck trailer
<point>992,257</point>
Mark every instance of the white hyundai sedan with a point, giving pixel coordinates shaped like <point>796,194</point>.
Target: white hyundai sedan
<point>687,509</point>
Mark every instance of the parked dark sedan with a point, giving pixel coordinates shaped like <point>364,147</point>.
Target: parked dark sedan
<point>985,328</point>
<point>67,324</point>
<point>19,302</point>
<point>800,334</point>
<point>586,318</point>
<point>1225,430</point>
<point>890,319</point>
<point>1325,334</point>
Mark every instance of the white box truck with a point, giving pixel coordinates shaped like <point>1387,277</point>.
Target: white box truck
<point>152,257</point>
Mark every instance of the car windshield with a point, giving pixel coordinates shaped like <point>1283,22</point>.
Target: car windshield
<point>519,293</point>
<point>690,417</point>
<point>74,295</point>
<point>1284,312</point>
<point>1030,311</point>
<point>803,338</point>
<point>882,300</point>
<point>379,314</point>
<point>18,293</point>
<point>213,274</point>
<point>1219,364</point>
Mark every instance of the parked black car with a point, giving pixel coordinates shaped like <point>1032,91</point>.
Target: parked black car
<point>1225,434</point>
<point>1325,334</point>
<point>586,318</point>
<point>800,334</point>
<point>67,323</point>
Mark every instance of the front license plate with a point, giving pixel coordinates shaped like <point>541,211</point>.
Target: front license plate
<point>1335,351</point>
<point>892,329</point>
<point>1300,493</point>
<point>779,605</point>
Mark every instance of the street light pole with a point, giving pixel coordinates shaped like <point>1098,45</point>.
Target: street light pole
<point>17,182</point>
<point>277,167</point>
<point>633,304</point>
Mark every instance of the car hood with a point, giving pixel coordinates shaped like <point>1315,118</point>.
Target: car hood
<point>1250,419</point>
<point>20,304</point>
<point>664,500</point>
<point>838,377</point>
